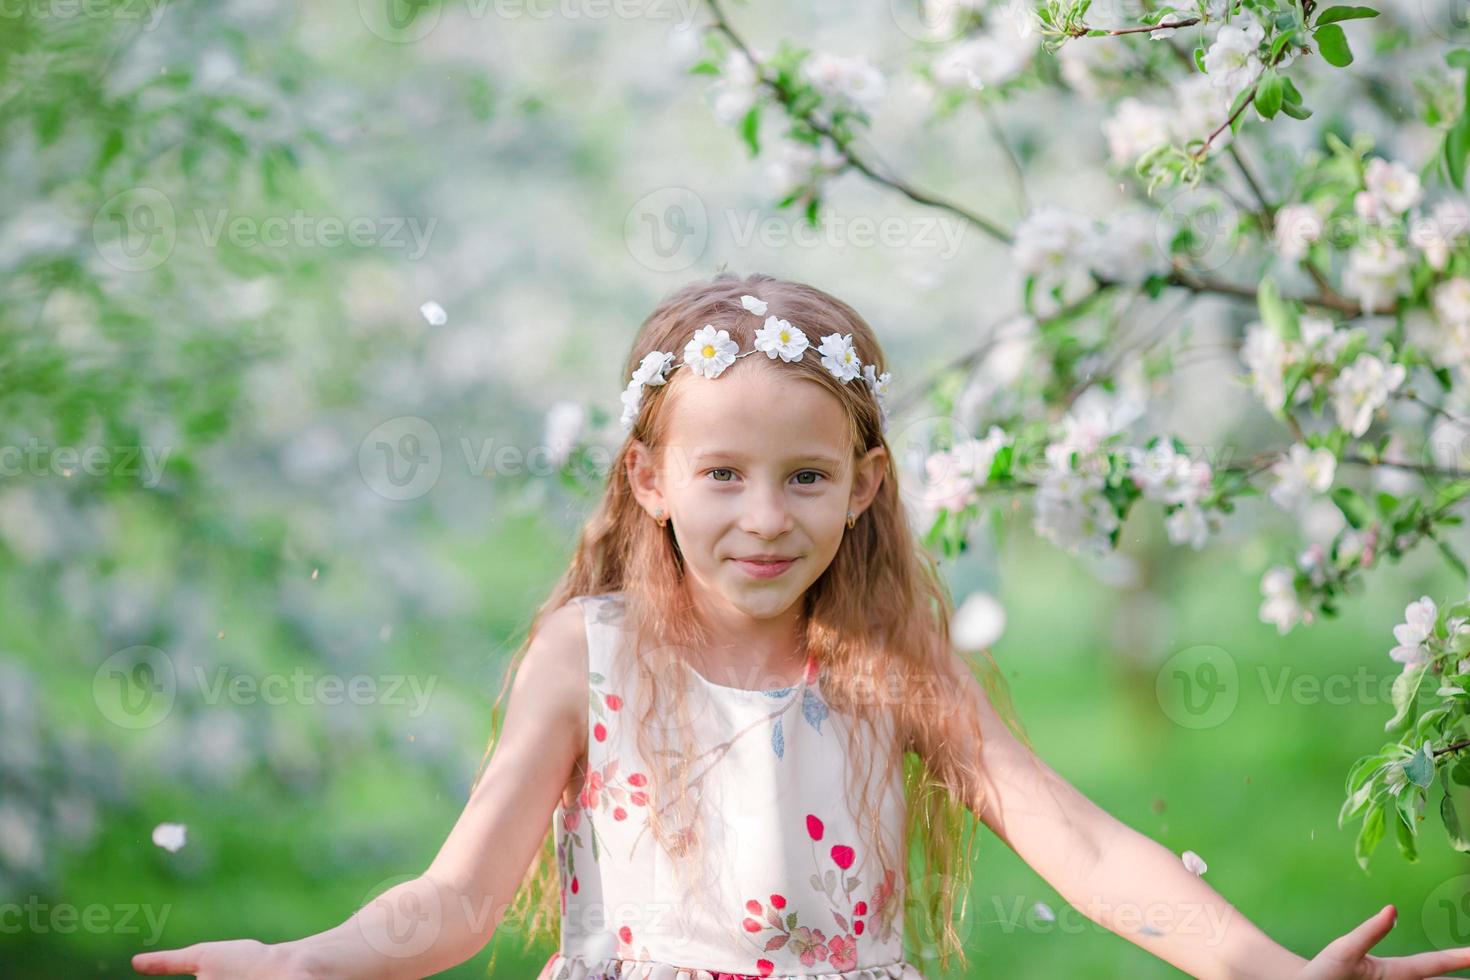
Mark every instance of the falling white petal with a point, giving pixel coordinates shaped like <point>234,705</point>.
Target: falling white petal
<point>169,836</point>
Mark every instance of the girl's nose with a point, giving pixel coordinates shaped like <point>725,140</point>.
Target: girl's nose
<point>767,514</point>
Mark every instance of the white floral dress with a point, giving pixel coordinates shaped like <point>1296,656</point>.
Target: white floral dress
<point>795,893</point>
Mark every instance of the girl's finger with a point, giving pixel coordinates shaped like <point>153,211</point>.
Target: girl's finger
<point>1436,961</point>
<point>167,962</point>
<point>1355,945</point>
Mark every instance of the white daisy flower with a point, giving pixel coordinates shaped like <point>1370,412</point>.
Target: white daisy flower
<point>653,367</point>
<point>710,351</point>
<point>632,401</point>
<point>840,357</point>
<point>877,382</point>
<point>754,305</point>
<point>778,338</point>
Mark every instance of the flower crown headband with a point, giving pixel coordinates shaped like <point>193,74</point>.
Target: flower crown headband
<point>710,351</point>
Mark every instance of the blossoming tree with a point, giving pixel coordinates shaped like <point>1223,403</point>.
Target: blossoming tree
<point>1353,287</point>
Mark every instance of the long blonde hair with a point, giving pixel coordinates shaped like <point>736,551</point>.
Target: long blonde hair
<point>876,621</point>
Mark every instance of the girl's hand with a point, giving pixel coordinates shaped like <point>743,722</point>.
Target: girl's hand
<point>235,959</point>
<point>1346,958</point>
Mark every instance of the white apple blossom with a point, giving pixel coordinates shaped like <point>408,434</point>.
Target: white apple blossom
<point>795,164</point>
<point>1368,207</point>
<point>1452,302</point>
<point>1321,338</point>
<point>952,474</point>
<point>1300,473</point>
<point>849,79</point>
<point>1051,240</point>
<point>564,423</point>
<point>1394,186</point>
<point>1187,525</point>
<point>1313,561</point>
<point>1135,128</point>
<point>1377,272</point>
<point>1361,389</point>
<point>733,95</point>
<point>978,622</point>
<point>1096,415</point>
<point>1264,354</point>
<point>1281,607</point>
<point>1200,108</point>
<point>1444,229</point>
<point>1128,250</point>
<point>1071,511</point>
<point>1297,227</point>
<point>1232,62</point>
<point>1165,475</point>
<point>1414,632</point>
<point>980,61</point>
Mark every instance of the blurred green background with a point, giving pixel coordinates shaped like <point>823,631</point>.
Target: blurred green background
<point>220,224</point>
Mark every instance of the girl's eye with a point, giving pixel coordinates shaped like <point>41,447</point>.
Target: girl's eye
<point>717,479</point>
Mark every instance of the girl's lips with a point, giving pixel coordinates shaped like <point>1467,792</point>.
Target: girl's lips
<point>764,569</point>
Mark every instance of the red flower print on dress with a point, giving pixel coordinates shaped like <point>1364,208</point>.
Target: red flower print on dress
<point>811,945</point>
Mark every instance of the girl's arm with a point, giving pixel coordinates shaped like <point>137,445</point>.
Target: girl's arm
<point>1109,872</point>
<point>447,914</point>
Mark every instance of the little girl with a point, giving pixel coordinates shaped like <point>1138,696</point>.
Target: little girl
<point>740,714</point>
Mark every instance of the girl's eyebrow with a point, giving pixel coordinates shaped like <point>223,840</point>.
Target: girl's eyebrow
<point>741,457</point>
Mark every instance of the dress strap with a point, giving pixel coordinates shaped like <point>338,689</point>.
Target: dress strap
<point>606,680</point>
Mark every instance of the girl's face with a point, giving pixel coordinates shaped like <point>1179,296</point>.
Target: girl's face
<point>756,466</point>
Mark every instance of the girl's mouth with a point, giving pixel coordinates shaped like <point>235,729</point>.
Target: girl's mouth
<point>764,569</point>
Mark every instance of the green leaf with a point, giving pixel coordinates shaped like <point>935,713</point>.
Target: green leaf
<point>1334,14</point>
<point>750,129</point>
<point>1451,819</point>
<point>1458,58</point>
<point>1277,314</point>
<point>1295,111</point>
<point>1269,94</point>
<point>1369,835</point>
<point>1407,845</point>
<point>1420,767</point>
<point>1456,147</point>
<point>1352,505</point>
<point>1405,688</point>
<point>1332,42</point>
<point>1455,560</point>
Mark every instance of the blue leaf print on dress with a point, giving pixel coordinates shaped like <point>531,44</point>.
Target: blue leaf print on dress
<point>778,740</point>
<point>813,708</point>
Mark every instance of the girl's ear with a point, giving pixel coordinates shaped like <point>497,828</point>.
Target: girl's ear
<point>643,477</point>
<point>867,478</point>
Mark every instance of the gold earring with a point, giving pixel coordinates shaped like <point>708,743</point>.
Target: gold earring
<point>851,520</point>
<point>658,515</point>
